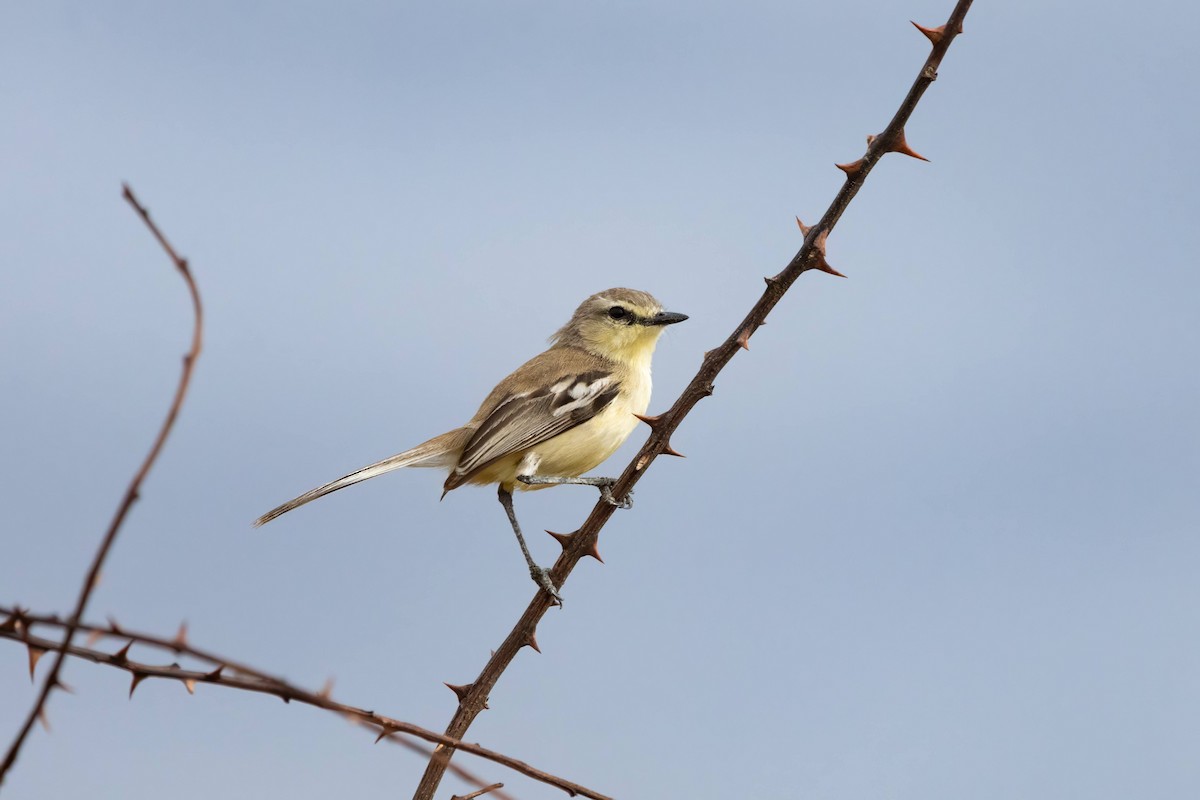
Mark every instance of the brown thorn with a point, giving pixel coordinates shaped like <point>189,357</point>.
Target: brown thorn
<point>113,627</point>
<point>461,690</point>
<point>531,640</point>
<point>651,421</point>
<point>66,687</point>
<point>122,655</point>
<point>743,339</point>
<point>384,733</point>
<point>138,677</point>
<point>934,35</point>
<point>92,638</point>
<point>804,229</point>
<point>595,551</point>
<point>326,690</point>
<point>215,675</point>
<point>671,451</point>
<point>35,655</point>
<point>45,720</point>
<point>901,146</point>
<point>563,539</point>
<point>180,640</point>
<point>190,685</point>
<point>823,265</point>
<point>851,169</point>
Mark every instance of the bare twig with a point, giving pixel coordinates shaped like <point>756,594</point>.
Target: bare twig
<point>480,793</point>
<point>473,696</point>
<point>52,681</point>
<point>18,624</point>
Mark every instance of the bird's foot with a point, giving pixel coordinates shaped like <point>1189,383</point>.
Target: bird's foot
<point>541,577</point>
<point>605,487</point>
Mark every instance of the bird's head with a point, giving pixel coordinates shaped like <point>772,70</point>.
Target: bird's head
<point>621,324</point>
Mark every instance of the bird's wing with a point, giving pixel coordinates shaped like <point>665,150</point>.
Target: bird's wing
<point>523,420</point>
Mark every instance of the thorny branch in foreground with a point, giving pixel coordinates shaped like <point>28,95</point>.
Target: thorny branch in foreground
<point>52,681</point>
<point>18,626</point>
<point>473,697</point>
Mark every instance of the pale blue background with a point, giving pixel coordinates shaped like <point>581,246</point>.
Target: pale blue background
<point>937,532</point>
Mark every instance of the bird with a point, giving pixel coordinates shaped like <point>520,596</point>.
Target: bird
<point>557,416</point>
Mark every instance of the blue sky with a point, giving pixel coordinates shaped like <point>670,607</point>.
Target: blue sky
<point>936,534</point>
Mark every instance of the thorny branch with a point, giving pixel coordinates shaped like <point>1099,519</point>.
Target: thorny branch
<point>18,626</point>
<point>473,696</point>
<point>52,681</point>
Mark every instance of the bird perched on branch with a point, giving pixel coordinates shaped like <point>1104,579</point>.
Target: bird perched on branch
<point>559,415</point>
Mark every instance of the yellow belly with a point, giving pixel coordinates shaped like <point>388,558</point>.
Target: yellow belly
<point>578,450</point>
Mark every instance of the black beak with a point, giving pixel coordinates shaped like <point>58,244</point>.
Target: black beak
<point>666,318</point>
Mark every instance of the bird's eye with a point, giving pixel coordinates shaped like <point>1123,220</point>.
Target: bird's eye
<point>617,312</point>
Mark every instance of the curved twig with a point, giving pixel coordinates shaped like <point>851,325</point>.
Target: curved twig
<point>51,681</point>
<point>581,543</point>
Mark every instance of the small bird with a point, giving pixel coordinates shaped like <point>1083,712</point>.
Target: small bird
<point>557,416</point>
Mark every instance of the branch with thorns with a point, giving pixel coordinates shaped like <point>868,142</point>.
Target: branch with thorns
<point>52,680</point>
<point>18,626</point>
<point>472,697</point>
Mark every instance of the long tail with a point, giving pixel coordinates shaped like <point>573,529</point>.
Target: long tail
<point>441,451</point>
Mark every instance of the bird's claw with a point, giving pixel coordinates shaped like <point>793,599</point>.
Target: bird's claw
<point>541,577</point>
<point>606,492</point>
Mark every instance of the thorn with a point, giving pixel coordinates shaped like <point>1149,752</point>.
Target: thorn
<point>934,35</point>
<point>901,146</point>
<point>138,677</point>
<point>819,262</point>
<point>215,675</point>
<point>594,552</point>
<point>92,638</point>
<point>851,169</point>
<point>326,690</point>
<point>122,655</point>
<point>563,539</point>
<point>651,421</point>
<point>707,391</point>
<point>771,281</point>
<point>804,229</point>
<point>823,265</point>
<point>45,720</point>
<point>384,733</point>
<point>113,627</point>
<point>531,640</point>
<point>190,685</point>
<point>743,339</point>
<point>460,690</point>
<point>35,655</point>
<point>66,687</point>
<point>671,451</point>
<point>180,640</point>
